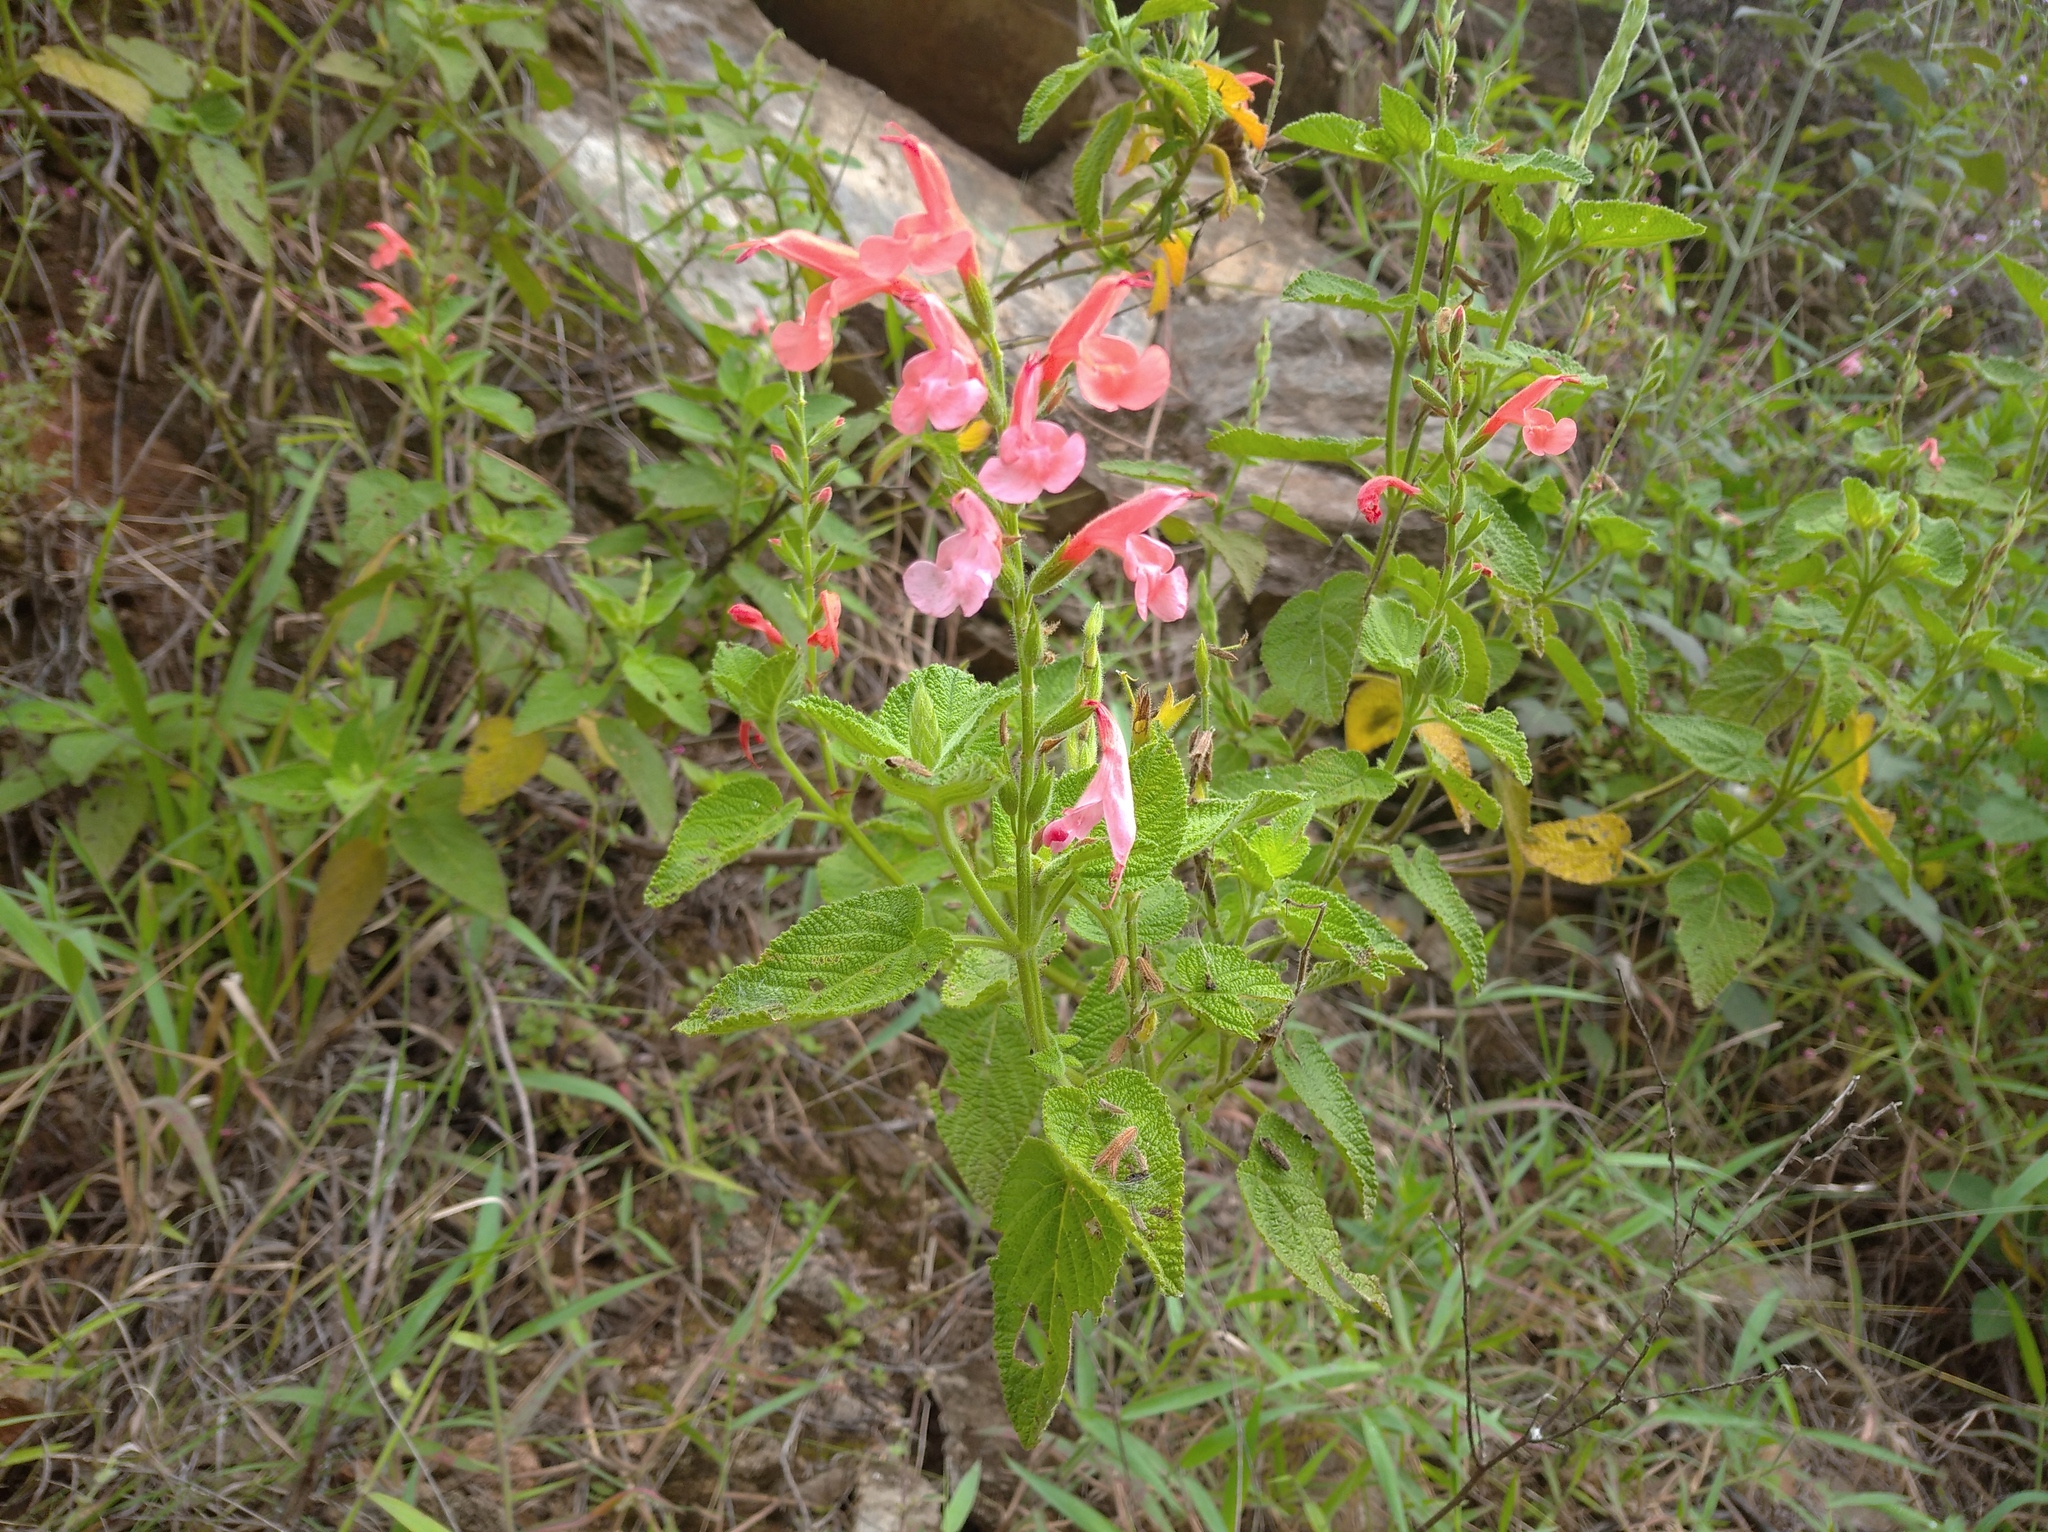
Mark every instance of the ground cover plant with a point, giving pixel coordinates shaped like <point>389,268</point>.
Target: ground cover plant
<point>1531,1029</point>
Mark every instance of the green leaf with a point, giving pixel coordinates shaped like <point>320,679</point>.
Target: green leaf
<point>1334,133</point>
<point>237,199</point>
<point>1308,646</point>
<point>1513,560</point>
<point>1613,71</point>
<point>1722,919</point>
<point>1309,1071</point>
<point>1246,442</point>
<point>848,725</point>
<point>117,88</point>
<point>672,685</point>
<point>1391,636</point>
<point>1092,165</point>
<point>1159,788</point>
<point>501,407</point>
<point>555,699</point>
<point>1347,931</point>
<point>110,819</point>
<point>452,854</point>
<point>2008,821</point>
<point>1582,684</point>
<point>720,828</point>
<point>1277,1179</point>
<point>1543,165</point>
<point>840,960</point>
<point>1733,751</point>
<point>644,771</point>
<point>1060,1250</point>
<point>1498,733</point>
<point>1338,291</point>
<point>409,1517</point>
<point>1146,1181</point>
<point>1162,10</point>
<point>1403,119</point>
<point>960,1504</point>
<point>1243,554</point>
<point>300,788</point>
<point>1222,986</point>
<point>2031,285</point>
<point>1052,93</point>
<point>583,1088</point>
<point>1630,225</point>
<point>1340,778</point>
<point>167,74</point>
<point>1280,512</point>
<point>1625,648</point>
<point>1424,877</point>
<point>989,1071</point>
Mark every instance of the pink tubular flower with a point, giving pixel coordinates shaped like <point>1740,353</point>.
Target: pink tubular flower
<point>943,387</point>
<point>826,635</point>
<point>1517,411</point>
<point>752,617</point>
<point>391,248</point>
<point>803,344</point>
<point>1373,489</point>
<point>1851,366</point>
<point>750,737</point>
<point>1931,450</point>
<point>924,242</point>
<point>1112,373</point>
<point>1158,588</point>
<point>1106,800</point>
<point>389,307</point>
<point>1544,436</point>
<point>964,572</point>
<point>1033,456</point>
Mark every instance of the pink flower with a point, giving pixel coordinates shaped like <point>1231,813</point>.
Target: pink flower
<point>1544,436</point>
<point>826,635</point>
<point>750,737</point>
<point>943,387</point>
<point>803,344</point>
<point>1851,366</point>
<point>1107,798</point>
<point>1157,585</point>
<point>1033,456</point>
<point>924,242</point>
<point>751,617</point>
<point>1370,492</point>
<point>391,248</point>
<point>389,305</point>
<point>960,578</point>
<point>1112,373</point>
<point>1931,448</point>
<point>1520,410</point>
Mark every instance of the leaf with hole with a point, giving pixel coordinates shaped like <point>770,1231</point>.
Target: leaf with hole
<point>722,826</point>
<point>1277,1180</point>
<point>1119,1133</point>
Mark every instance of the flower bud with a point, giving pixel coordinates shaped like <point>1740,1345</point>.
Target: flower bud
<point>775,451</point>
<point>823,497</point>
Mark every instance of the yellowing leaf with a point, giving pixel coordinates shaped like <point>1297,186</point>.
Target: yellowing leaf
<point>1873,825</point>
<point>500,763</point>
<point>1849,738</point>
<point>120,90</point>
<point>1584,850</point>
<point>349,887</point>
<point>1446,751</point>
<point>1171,712</point>
<point>1932,874</point>
<point>972,435</point>
<point>1373,715</point>
<point>587,727</point>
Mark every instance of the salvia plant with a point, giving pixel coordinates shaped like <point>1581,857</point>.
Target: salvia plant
<point>1126,892</point>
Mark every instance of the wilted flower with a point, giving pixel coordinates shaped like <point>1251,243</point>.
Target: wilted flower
<point>826,635</point>
<point>1370,492</point>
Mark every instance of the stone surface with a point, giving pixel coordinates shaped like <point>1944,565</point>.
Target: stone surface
<point>967,66</point>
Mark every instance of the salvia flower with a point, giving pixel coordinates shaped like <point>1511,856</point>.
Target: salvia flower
<point>391,247</point>
<point>752,618</point>
<point>803,344</point>
<point>925,242</point>
<point>1851,366</point>
<point>1543,435</point>
<point>944,387</point>
<point>750,737</point>
<point>1107,800</point>
<point>388,307</point>
<point>826,635</point>
<point>1033,457</point>
<point>1931,450</point>
<point>1159,588</point>
<point>965,569</point>
<point>1112,373</point>
<point>1371,492</point>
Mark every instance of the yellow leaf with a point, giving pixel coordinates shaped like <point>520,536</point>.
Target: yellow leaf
<point>1873,825</point>
<point>500,763</point>
<point>1373,715</point>
<point>1932,874</point>
<point>120,90</point>
<point>1443,739</point>
<point>1171,712</point>
<point>350,885</point>
<point>1849,738</point>
<point>1584,850</point>
<point>972,435</point>
<point>587,727</point>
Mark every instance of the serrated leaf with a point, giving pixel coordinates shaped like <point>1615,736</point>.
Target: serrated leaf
<point>1721,924</point>
<point>1159,789</point>
<point>1051,94</point>
<point>1335,290</point>
<point>1372,717</point>
<point>988,1068</point>
<point>1586,850</point>
<point>1533,169</point>
<point>1511,557</point>
<point>117,88</point>
<point>975,974</point>
<point>1334,133</point>
<point>351,882</point>
<point>1142,1174</point>
<point>1499,734</point>
<point>644,770</point>
<point>1243,554</point>
<point>1732,751</point>
<point>1307,647</point>
<point>1625,648</point>
<point>673,685</point>
<point>1339,778</point>
<point>499,763</point>
<point>1309,1071</point>
<point>1060,1250</point>
<point>1630,225</point>
<point>720,828</point>
<point>1347,930</point>
<point>1222,986</point>
<point>1424,877</point>
<point>1249,443</point>
<point>449,852</point>
<point>1403,118</point>
<point>500,406</point>
<point>2005,820</point>
<point>1091,167</point>
<point>1277,1179</point>
<point>840,960</point>
<point>1391,636</point>
<point>237,199</point>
